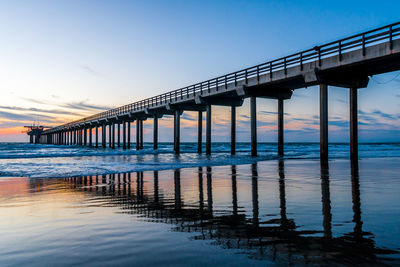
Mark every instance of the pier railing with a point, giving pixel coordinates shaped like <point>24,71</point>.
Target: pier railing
<point>336,48</point>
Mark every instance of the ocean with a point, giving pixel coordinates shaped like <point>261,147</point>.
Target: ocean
<point>68,205</point>
<point>36,160</point>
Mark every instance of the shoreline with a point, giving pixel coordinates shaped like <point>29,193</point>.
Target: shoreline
<point>193,165</point>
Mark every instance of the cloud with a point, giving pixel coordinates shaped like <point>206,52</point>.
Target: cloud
<point>189,117</point>
<point>26,117</point>
<point>272,113</point>
<point>91,71</point>
<point>382,114</point>
<point>82,105</point>
<point>51,111</point>
<point>36,101</point>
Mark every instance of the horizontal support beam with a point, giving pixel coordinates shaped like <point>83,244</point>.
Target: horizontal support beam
<point>219,101</point>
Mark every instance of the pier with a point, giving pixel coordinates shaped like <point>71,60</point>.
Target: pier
<point>348,63</point>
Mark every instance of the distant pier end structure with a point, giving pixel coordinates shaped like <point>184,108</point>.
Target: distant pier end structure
<point>36,135</point>
<point>348,62</point>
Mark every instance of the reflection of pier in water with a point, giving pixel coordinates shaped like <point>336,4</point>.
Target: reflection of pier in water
<point>275,239</point>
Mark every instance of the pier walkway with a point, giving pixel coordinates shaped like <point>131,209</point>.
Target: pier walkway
<point>349,63</point>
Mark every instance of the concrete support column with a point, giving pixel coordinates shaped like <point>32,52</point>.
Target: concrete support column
<point>109,135</point>
<point>129,134</point>
<point>123,135</point>
<point>353,124</point>
<point>97,136</point>
<point>280,128</point>
<point>84,136</point>
<point>113,136</point>
<point>253,125</point>
<point>141,134</point>
<point>138,134</point>
<point>71,134</point>
<point>90,136</point>
<point>119,135</point>
<point>323,118</point>
<point>233,130</point>
<point>155,133</point>
<point>199,132</point>
<point>103,136</point>
<point>208,130</point>
<point>75,137</point>
<point>177,126</point>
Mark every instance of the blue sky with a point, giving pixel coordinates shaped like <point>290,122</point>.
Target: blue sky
<point>61,60</point>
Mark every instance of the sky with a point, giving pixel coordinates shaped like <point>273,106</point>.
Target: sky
<point>62,60</point>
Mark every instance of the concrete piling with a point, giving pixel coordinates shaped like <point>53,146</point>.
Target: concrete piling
<point>323,117</point>
<point>253,126</point>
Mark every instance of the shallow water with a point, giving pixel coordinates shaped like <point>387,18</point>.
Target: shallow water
<point>288,212</point>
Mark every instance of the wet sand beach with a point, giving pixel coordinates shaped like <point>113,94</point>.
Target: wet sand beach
<point>285,212</point>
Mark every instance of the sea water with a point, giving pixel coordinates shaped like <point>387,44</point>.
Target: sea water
<point>36,160</point>
<point>67,205</point>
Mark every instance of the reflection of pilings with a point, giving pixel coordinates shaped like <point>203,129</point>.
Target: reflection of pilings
<point>326,200</point>
<point>254,191</point>
<point>234,191</point>
<point>139,185</point>
<point>355,188</point>
<point>209,190</point>
<point>201,194</point>
<point>282,192</point>
<point>103,188</point>
<point>156,199</point>
<point>177,183</point>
